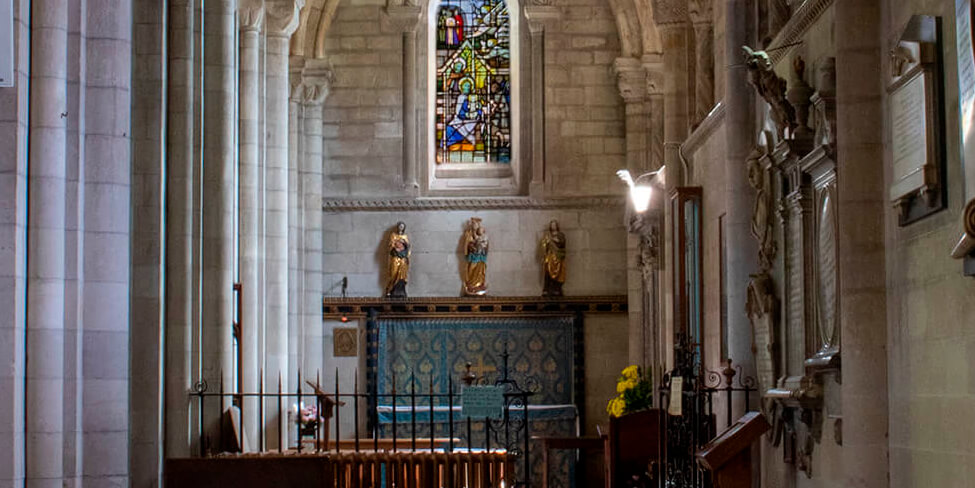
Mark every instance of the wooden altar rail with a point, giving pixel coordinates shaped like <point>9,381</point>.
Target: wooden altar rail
<point>421,469</point>
<point>345,470</point>
<point>342,308</point>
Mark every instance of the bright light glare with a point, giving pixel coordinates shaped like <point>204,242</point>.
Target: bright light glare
<point>640,194</point>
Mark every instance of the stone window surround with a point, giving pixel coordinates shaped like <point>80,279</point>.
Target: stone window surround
<point>490,179</point>
<point>487,181</point>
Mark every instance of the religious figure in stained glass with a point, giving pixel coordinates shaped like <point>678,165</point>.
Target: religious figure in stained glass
<point>473,82</point>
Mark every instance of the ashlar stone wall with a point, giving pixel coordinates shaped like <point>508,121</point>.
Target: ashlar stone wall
<point>363,117</point>
<point>355,246</point>
<point>930,310</point>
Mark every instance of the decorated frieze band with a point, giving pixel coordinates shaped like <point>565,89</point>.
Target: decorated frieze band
<point>338,308</point>
<point>485,203</point>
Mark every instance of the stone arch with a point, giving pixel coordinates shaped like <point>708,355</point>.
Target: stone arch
<point>636,27</point>
<point>314,21</point>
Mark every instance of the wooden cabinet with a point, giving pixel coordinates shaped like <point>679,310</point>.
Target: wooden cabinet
<point>634,447</point>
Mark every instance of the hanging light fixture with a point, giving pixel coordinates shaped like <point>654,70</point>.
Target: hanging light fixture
<point>641,189</point>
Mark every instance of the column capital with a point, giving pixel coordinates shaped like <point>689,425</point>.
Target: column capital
<point>316,81</point>
<point>631,79</point>
<point>282,16</point>
<point>403,18</point>
<point>295,68</point>
<point>653,64</point>
<point>670,13</point>
<point>700,11</point>
<point>250,15</point>
<point>539,15</point>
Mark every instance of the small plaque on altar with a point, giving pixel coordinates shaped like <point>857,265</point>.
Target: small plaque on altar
<point>478,402</point>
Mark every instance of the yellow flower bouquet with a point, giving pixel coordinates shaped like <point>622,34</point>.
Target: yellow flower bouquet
<point>635,391</point>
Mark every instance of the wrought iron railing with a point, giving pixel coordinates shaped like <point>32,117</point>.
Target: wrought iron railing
<point>508,432</point>
<point>704,394</point>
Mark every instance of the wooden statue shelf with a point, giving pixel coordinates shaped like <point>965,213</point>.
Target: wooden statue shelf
<point>728,456</point>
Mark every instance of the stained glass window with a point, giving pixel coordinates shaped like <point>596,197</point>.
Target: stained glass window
<point>473,82</point>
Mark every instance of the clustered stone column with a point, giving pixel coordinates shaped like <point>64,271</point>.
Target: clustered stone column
<point>65,243</point>
<point>201,254</point>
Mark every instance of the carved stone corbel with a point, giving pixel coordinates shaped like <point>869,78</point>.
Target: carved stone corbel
<point>281,16</point>
<point>824,103</point>
<point>771,88</point>
<point>647,227</point>
<point>316,81</point>
<point>798,418</point>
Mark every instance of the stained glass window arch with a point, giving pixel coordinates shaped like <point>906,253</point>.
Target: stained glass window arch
<point>472,82</point>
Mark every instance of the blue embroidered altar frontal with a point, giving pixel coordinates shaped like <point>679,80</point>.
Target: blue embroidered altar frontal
<point>435,349</point>
<point>432,349</point>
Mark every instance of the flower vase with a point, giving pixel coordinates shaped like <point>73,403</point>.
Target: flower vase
<point>308,429</point>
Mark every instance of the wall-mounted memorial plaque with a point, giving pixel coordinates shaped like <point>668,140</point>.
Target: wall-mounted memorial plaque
<point>6,43</point>
<point>916,123</point>
<point>965,247</point>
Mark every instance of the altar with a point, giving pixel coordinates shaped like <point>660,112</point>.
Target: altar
<point>427,357</point>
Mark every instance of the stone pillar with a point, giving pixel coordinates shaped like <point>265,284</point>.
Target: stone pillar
<point>654,66</point>
<point>405,18</point>
<point>861,206</point>
<point>180,155</point>
<point>700,13</point>
<point>148,256</point>
<point>295,211</point>
<point>631,80</point>
<point>218,203</point>
<point>13,259</point>
<point>742,250</point>
<point>674,76</point>
<point>251,19</point>
<point>106,231</point>
<point>315,82</point>
<point>538,16</point>
<point>295,236</point>
<point>281,22</point>
<point>44,409</point>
